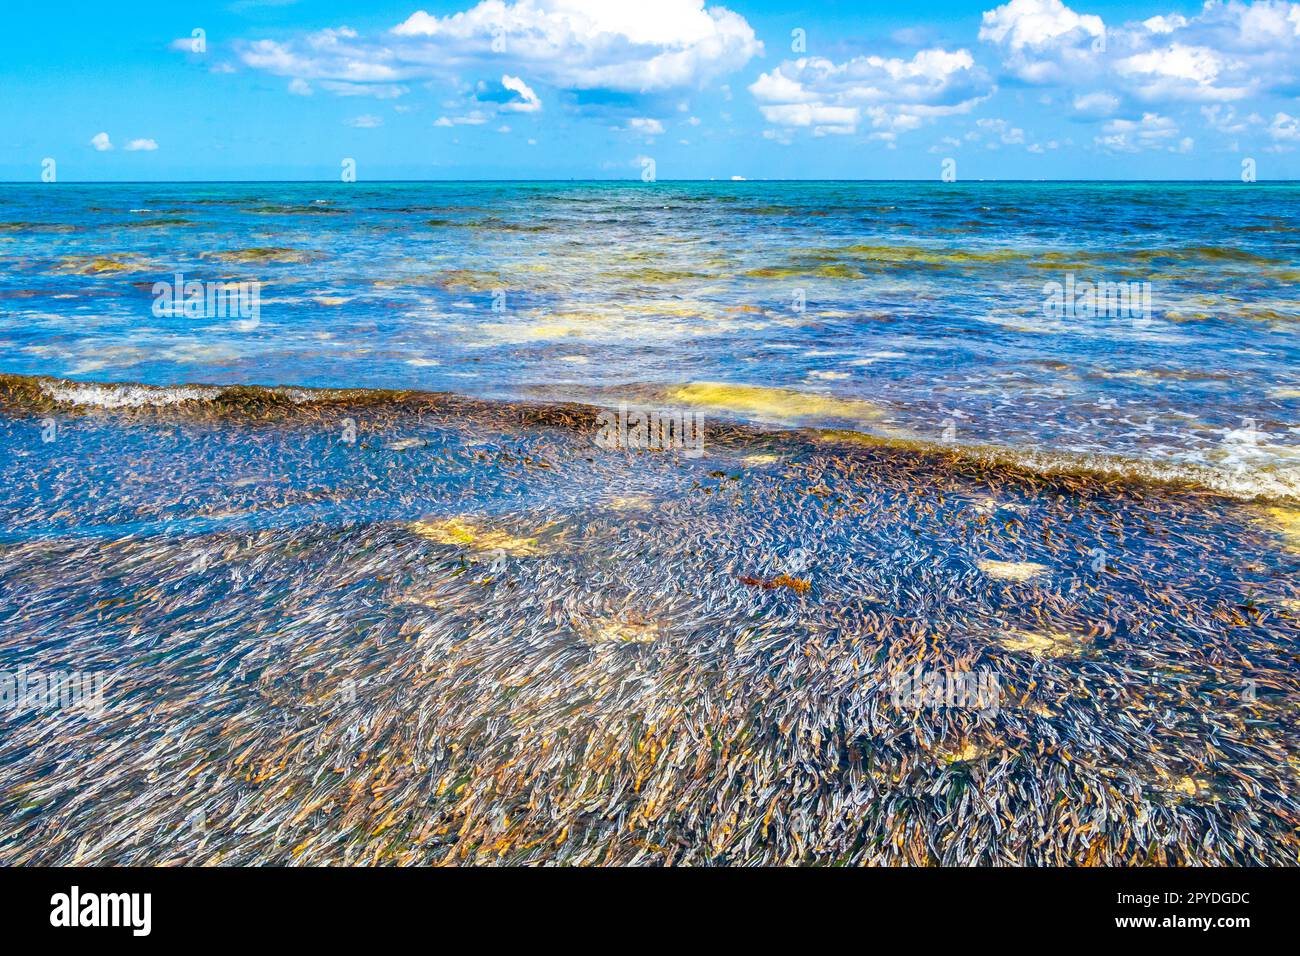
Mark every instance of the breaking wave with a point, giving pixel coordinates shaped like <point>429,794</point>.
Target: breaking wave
<point>1238,480</point>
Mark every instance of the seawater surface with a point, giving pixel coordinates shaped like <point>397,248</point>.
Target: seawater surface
<point>403,607</point>
<point>911,311</point>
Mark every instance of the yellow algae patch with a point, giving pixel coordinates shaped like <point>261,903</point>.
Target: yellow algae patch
<point>630,629</point>
<point>266,254</point>
<point>1286,521</point>
<point>1011,570</point>
<point>763,459</point>
<point>468,279</point>
<point>675,309</point>
<point>889,438</point>
<point>967,752</point>
<point>1284,393</point>
<point>630,503</point>
<point>1043,643</point>
<point>471,534</point>
<point>103,265</point>
<point>1183,786</point>
<point>554,325</point>
<point>779,404</point>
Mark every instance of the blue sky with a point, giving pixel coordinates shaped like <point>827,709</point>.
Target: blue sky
<point>277,89</point>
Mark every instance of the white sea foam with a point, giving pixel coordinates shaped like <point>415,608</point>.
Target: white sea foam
<point>125,396</point>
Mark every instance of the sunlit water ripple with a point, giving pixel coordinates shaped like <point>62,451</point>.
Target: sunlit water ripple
<point>917,311</point>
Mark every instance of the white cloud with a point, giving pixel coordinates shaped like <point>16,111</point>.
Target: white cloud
<point>645,126</point>
<point>1006,134</point>
<point>189,44</point>
<point>380,91</point>
<point>1042,39</point>
<point>528,101</point>
<point>572,44</point>
<point>1037,25</point>
<point>141,145</point>
<point>101,142</point>
<point>1228,51</point>
<point>1225,119</point>
<point>1165,24</point>
<point>892,94</point>
<point>1183,72</point>
<point>300,87</point>
<point>1096,104</point>
<point>1285,128</point>
<point>475,118</point>
<point>365,121</point>
<point>1152,131</point>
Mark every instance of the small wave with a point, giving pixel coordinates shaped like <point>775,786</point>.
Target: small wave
<point>122,396</point>
<point>772,408</point>
<point>38,392</point>
<point>1256,482</point>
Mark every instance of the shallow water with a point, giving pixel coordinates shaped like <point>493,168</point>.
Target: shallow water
<point>366,626</point>
<point>467,633</point>
<point>924,303</point>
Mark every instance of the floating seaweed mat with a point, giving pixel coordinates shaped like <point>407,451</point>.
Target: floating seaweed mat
<point>607,689</point>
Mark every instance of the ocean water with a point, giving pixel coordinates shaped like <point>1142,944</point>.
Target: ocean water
<point>917,312</point>
<point>404,605</point>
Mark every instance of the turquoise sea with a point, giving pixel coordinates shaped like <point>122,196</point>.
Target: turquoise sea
<point>918,311</point>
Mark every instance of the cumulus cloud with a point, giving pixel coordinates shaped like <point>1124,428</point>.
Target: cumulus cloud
<point>1037,24</point>
<point>1042,40</point>
<point>141,145</point>
<point>365,121</point>
<point>1003,132</point>
<point>1285,128</point>
<point>1096,104</point>
<point>645,126</point>
<point>890,94</point>
<point>1152,131</point>
<point>101,142</point>
<point>528,101</point>
<point>571,44</point>
<point>1225,119</point>
<point>1226,52</point>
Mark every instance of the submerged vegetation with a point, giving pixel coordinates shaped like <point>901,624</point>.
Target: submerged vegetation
<point>470,635</point>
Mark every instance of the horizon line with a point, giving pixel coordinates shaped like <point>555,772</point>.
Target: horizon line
<point>574,179</point>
